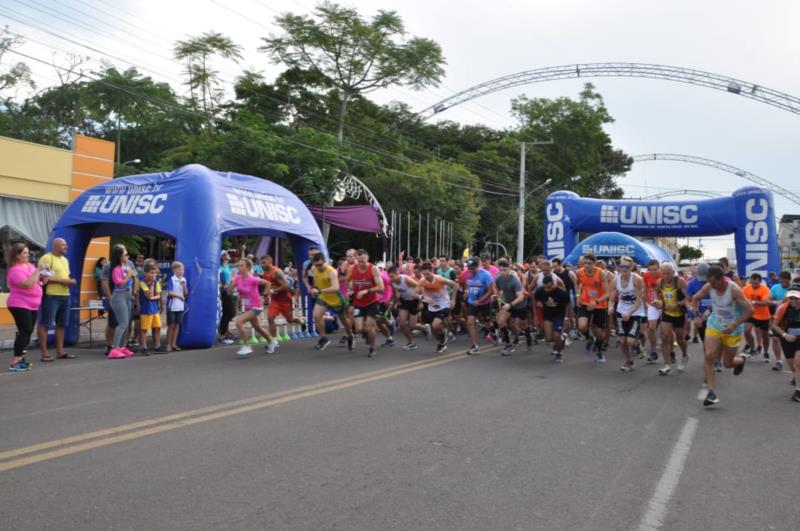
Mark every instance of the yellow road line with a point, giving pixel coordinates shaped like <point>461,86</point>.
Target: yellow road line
<point>170,422</point>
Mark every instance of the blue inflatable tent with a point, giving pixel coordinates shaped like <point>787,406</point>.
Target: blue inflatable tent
<point>197,207</point>
<point>616,244</point>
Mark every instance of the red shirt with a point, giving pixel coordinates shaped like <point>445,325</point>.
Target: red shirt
<point>363,280</point>
<point>650,284</point>
<point>280,296</point>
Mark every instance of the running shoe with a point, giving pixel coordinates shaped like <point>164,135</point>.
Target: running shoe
<point>17,367</point>
<point>322,343</point>
<point>272,346</point>
<point>589,345</point>
<point>766,358</point>
<point>160,350</point>
<point>350,339</point>
<point>495,338</point>
<point>428,332</point>
<point>559,358</point>
<point>116,354</point>
<point>796,395</point>
<point>739,368</point>
<point>687,337</point>
<point>128,352</point>
<point>672,358</point>
<point>245,350</point>
<point>343,341</point>
<point>567,340</point>
<point>145,351</point>
<point>388,343</point>
<point>441,347</point>
<point>665,370</point>
<point>695,339</point>
<point>711,398</point>
<point>410,346</point>
<point>683,362</point>
<point>717,366</point>
<point>778,366</point>
<point>600,358</point>
<point>451,337</point>
<point>528,339</point>
<point>25,363</point>
<point>758,350</point>
<point>371,353</point>
<point>474,350</point>
<point>627,367</point>
<point>507,350</point>
<point>652,358</point>
<point>228,341</point>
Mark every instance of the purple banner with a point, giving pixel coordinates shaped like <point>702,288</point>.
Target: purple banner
<point>362,218</point>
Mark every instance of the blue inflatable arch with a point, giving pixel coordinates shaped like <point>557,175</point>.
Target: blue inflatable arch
<point>197,207</point>
<point>616,244</point>
<point>749,214</point>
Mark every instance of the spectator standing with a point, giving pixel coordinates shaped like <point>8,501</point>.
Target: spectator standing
<point>176,305</point>
<point>226,299</point>
<point>23,302</point>
<point>55,304</point>
<point>98,277</point>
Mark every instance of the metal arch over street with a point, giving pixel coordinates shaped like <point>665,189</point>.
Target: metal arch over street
<point>732,85</point>
<point>791,196</point>
<point>677,193</point>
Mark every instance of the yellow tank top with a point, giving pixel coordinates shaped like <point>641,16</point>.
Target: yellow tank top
<point>669,296</point>
<point>322,280</point>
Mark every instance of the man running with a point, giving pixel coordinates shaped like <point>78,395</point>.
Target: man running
<point>479,297</point>
<point>365,281</point>
<point>758,295</point>
<point>554,302</point>
<point>568,281</point>
<point>513,307</point>
<point>671,296</point>
<point>777,294</point>
<point>327,296</point>
<point>787,329</point>
<point>434,290</point>
<point>593,304</point>
<point>280,299</point>
<point>730,310</point>
<point>651,278</point>
<point>629,310</point>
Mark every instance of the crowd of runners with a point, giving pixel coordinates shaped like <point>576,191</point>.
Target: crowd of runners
<point>650,313</point>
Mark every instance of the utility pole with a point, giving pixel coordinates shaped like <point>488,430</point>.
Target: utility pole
<point>521,213</point>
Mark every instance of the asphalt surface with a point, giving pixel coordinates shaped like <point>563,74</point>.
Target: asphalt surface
<point>298,440</point>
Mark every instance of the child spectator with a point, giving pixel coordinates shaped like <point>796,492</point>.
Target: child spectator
<point>150,309</point>
<point>176,304</point>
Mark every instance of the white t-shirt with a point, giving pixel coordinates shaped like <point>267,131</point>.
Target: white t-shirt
<point>174,284</point>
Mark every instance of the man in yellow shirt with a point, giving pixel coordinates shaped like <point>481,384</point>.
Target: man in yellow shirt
<point>55,303</point>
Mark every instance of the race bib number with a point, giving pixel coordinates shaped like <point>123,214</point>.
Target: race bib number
<point>474,290</point>
<point>793,331</point>
<point>725,316</point>
<point>593,293</point>
<point>356,312</point>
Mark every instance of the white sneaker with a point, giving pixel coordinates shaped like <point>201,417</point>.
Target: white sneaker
<point>227,341</point>
<point>271,346</point>
<point>244,350</point>
<point>682,363</point>
<point>663,371</point>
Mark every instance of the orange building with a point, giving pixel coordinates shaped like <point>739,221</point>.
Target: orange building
<point>36,184</point>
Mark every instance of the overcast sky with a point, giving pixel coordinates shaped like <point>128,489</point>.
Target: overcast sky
<point>752,41</point>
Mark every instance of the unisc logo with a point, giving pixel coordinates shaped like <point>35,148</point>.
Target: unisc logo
<point>648,214</point>
<point>756,235</point>
<point>125,204</point>
<point>555,230</point>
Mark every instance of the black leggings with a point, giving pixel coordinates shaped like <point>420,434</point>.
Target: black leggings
<point>228,311</point>
<point>26,322</point>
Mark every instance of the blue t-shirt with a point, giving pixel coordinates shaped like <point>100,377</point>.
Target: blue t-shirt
<point>478,285</point>
<point>778,292</point>
<point>225,274</point>
<point>693,287</point>
<point>148,306</point>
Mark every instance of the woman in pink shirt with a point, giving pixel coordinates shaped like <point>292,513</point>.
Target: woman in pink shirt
<point>23,301</point>
<point>247,284</point>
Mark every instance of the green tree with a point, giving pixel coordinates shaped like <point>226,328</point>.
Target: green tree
<point>687,252</point>
<point>353,55</point>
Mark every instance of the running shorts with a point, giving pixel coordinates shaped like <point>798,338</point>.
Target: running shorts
<point>366,311</point>
<point>761,324</point>
<point>411,306</point>
<point>629,328</point>
<point>484,311</point>
<point>653,313</point>
<point>283,308</point>
<point>727,340</point>
<point>789,349</point>
<point>439,314</point>
<point>676,322</point>
<point>338,309</point>
<point>598,316</point>
<point>519,313</point>
<point>557,322</point>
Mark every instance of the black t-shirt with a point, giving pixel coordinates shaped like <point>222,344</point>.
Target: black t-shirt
<point>554,302</point>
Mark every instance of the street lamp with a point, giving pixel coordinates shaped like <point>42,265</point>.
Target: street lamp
<point>133,162</point>
<point>521,213</point>
<point>505,251</point>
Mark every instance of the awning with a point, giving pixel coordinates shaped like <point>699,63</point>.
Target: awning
<point>31,220</point>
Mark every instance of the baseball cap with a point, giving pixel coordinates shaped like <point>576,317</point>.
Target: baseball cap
<point>224,254</point>
<point>794,291</point>
<point>702,271</point>
<point>472,263</point>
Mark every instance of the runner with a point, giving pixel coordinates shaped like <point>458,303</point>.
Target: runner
<point>787,328</point>
<point>327,296</point>
<point>777,294</point>
<point>513,307</point>
<point>568,281</point>
<point>434,291</point>
<point>384,311</point>
<point>758,295</point>
<point>307,277</point>
<point>728,272</point>
<point>279,300</point>
<point>629,311</point>
<point>593,305</point>
<point>725,326</point>
<point>671,300</point>
<point>693,287</point>
<point>365,281</point>
<point>554,302</point>
<point>407,304</point>
<point>247,284</point>
<point>651,277</point>
<point>479,297</point>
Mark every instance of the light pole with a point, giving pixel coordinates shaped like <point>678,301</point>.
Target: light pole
<point>505,251</point>
<point>521,213</point>
<point>133,162</point>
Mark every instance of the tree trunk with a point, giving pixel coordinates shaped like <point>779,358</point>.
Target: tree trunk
<point>119,141</point>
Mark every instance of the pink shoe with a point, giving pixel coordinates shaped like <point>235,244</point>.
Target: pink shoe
<point>116,354</point>
<point>128,353</point>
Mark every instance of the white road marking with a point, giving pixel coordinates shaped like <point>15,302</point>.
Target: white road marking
<point>657,508</point>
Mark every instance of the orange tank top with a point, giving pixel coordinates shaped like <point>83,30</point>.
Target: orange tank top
<point>592,287</point>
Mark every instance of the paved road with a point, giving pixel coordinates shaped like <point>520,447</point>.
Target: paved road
<point>333,440</point>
